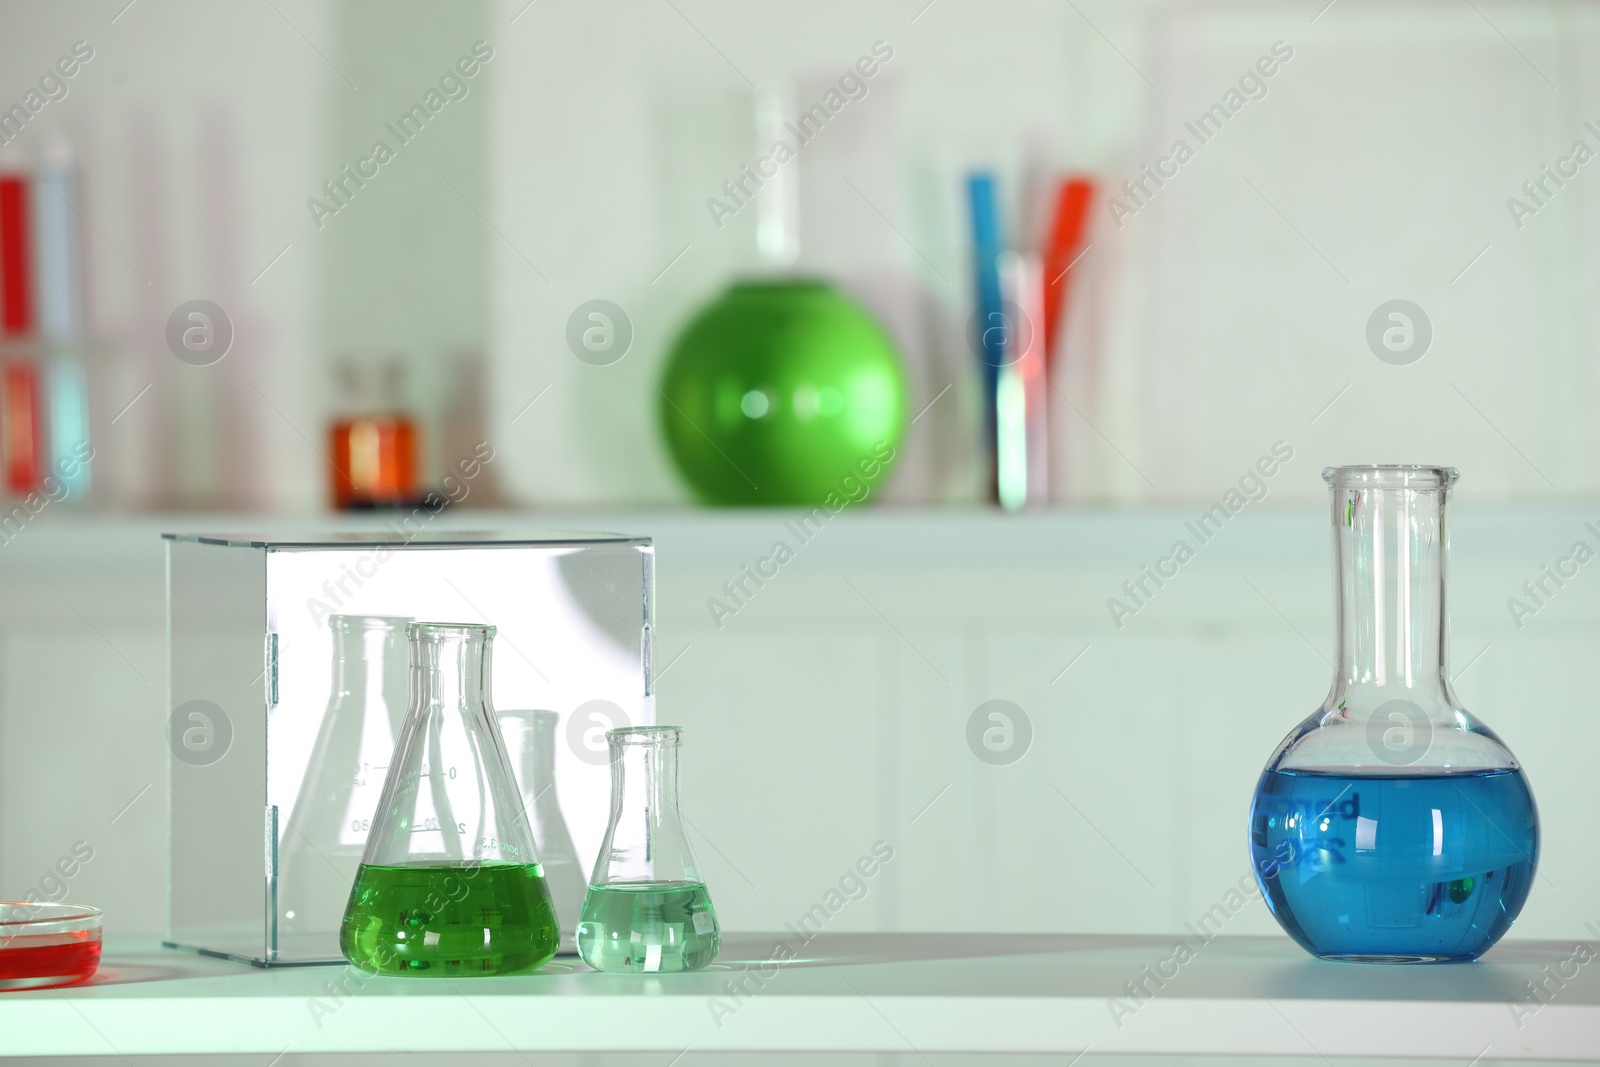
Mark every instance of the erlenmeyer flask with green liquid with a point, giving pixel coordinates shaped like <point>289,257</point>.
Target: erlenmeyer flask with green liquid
<point>647,910</point>
<point>450,884</point>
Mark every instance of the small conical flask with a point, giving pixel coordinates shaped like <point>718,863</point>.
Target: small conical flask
<point>530,741</point>
<point>1392,826</point>
<point>647,910</point>
<point>450,884</point>
<point>326,835</point>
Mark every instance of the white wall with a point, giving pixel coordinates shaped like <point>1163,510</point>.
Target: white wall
<point>1232,308</point>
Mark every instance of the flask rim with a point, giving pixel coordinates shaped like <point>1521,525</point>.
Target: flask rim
<point>645,735</point>
<point>368,622</point>
<point>538,715</point>
<point>439,631</point>
<point>1391,476</point>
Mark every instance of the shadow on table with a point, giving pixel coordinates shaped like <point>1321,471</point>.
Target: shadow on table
<point>859,949</point>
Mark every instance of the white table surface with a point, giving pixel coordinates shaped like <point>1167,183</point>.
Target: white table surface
<point>867,993</point>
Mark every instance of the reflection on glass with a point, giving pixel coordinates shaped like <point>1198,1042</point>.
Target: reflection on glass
<point>327,833</point>
<point>530,742</point>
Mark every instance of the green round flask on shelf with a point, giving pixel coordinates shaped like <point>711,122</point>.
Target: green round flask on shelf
<point>783,391</point>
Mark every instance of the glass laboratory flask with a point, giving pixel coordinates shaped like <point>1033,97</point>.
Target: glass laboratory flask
<point>531,741</point>
<point>647,910</point>
<point>1392,826</point>
<point>450,884</point>
<point>322,844</point>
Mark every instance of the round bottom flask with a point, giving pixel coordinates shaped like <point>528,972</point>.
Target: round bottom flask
<point>1392,826</point>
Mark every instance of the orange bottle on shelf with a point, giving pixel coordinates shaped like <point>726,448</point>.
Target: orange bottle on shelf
<point>374,448</point>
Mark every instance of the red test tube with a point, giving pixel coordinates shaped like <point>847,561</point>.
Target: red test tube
<point>22,430</point>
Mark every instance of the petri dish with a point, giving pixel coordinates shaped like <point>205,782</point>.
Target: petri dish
<point>44,945</point>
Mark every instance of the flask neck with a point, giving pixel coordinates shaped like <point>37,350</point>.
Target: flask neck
<point>450,669</point>
<point>645,840</point>
<point>644,784</point>
<point>1390,549</point>
<point>368,658</point>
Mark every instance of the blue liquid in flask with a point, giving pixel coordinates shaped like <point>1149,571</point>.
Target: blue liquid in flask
<point>1419,868</point>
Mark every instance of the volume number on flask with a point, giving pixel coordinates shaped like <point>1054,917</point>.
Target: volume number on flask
<point>412,776</point>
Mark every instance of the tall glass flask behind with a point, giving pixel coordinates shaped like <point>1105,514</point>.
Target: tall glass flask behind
<point>530,741</point>
<point>327,831</point>
<point>1392,826</point>
<point>647,910</point>
<point>450,884</point>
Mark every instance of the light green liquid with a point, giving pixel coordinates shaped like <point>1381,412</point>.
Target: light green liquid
<point>449,920</point>
<point>648,927</point>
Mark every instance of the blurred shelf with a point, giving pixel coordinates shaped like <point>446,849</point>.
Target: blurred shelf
<point>903,993</point>
<point>891,536</point>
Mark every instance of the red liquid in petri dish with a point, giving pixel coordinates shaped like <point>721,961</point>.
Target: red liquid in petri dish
<point>48,959</point>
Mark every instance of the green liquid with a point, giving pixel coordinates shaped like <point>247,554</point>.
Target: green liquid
<point>449,920</point>
<point>648,927</point>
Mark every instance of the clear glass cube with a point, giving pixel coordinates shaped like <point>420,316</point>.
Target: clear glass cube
<point>251,627</point>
